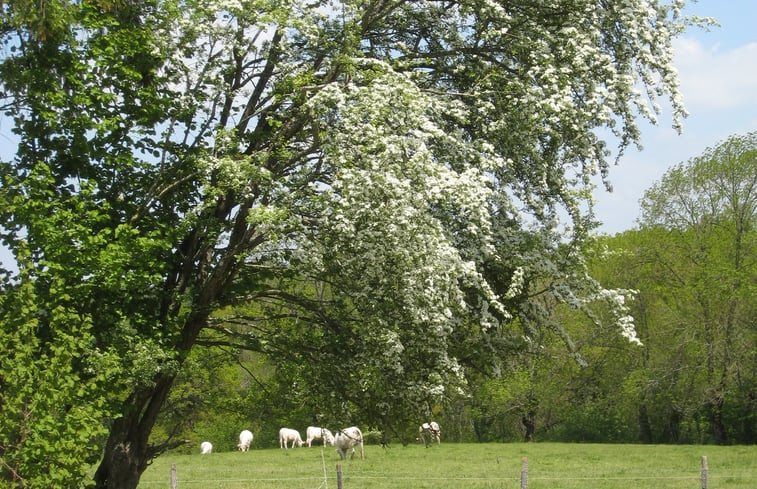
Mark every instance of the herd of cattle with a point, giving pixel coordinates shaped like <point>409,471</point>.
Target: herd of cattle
<point>345,440</point>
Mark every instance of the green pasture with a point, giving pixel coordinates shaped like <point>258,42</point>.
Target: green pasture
<point>465,466</point>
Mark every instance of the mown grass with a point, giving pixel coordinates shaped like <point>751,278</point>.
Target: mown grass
<point>465,466</point>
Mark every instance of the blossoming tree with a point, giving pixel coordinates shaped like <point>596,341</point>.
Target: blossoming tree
<point>393,179</point>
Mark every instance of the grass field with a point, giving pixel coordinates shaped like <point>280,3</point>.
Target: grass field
<point>465,466</point>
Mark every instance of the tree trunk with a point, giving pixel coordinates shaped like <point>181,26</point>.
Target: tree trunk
<point>674,425</point>
<point>749,420</point>
<point>715,416</point>
<point>529,423</point>
<point>645,428</point>
<point>480,427</point>
<point>127,451</point>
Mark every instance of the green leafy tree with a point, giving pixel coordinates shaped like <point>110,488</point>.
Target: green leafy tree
<point>702,217</point>
<point>567,363</point>
<point>355,171</point>
<point>51,388</point>
<point>692,267</point>
<point>658,381</point>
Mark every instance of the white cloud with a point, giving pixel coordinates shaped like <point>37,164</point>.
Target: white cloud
<point>712,78</point>
<point>719,87</point>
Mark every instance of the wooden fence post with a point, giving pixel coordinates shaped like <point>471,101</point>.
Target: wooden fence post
<point>524,473</point>
<point>338,476</point>
<point>705,469</point>
<point>174,479</point>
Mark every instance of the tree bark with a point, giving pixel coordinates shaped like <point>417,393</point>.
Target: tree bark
<point>529,423</point>
<point>127,451</point>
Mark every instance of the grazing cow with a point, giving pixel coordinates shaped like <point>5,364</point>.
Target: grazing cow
<point>206,447</point>
<point>347,439</point>
<point>315,433</point>
<point>287,435</point>
<point>245,439</point>
<point>432,430</point>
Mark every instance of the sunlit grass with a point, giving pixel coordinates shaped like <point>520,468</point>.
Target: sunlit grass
<point>465,466</point>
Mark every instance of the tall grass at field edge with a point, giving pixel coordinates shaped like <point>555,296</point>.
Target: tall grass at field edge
<point>465,466</point>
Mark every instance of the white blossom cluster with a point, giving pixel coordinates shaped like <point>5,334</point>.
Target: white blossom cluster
<point>410,145</point>
<point>616,298</point>
<point>385,220</point>
<point>410,201</point>
<point>575,76</point>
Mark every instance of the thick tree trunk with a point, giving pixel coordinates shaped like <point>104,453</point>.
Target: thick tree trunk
<point>124,458</point>
<point>127,451</point>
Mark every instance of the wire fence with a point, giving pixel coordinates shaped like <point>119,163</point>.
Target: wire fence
<point>703,479</point>
<point>394,481</point>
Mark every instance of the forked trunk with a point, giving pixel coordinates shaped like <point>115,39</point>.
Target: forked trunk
<point>127,452</point>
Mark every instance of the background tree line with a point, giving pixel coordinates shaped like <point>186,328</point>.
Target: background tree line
<point>693,266</point>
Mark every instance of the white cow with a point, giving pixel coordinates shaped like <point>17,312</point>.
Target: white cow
<point>206,447</point>
<point>347,439</point>
<point>287,435</point>
<point>245,439</point>
<point>315,433</point>
<point>432,429</point>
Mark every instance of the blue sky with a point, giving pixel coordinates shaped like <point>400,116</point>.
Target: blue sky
<point>718,75</point>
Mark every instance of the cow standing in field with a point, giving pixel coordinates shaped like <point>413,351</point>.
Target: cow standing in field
<point>206,447</point>
<point>315,433</point>
<point>287,435</point>
<point>431,430</point>
<point>245,439</point>
<point>347,439</point>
